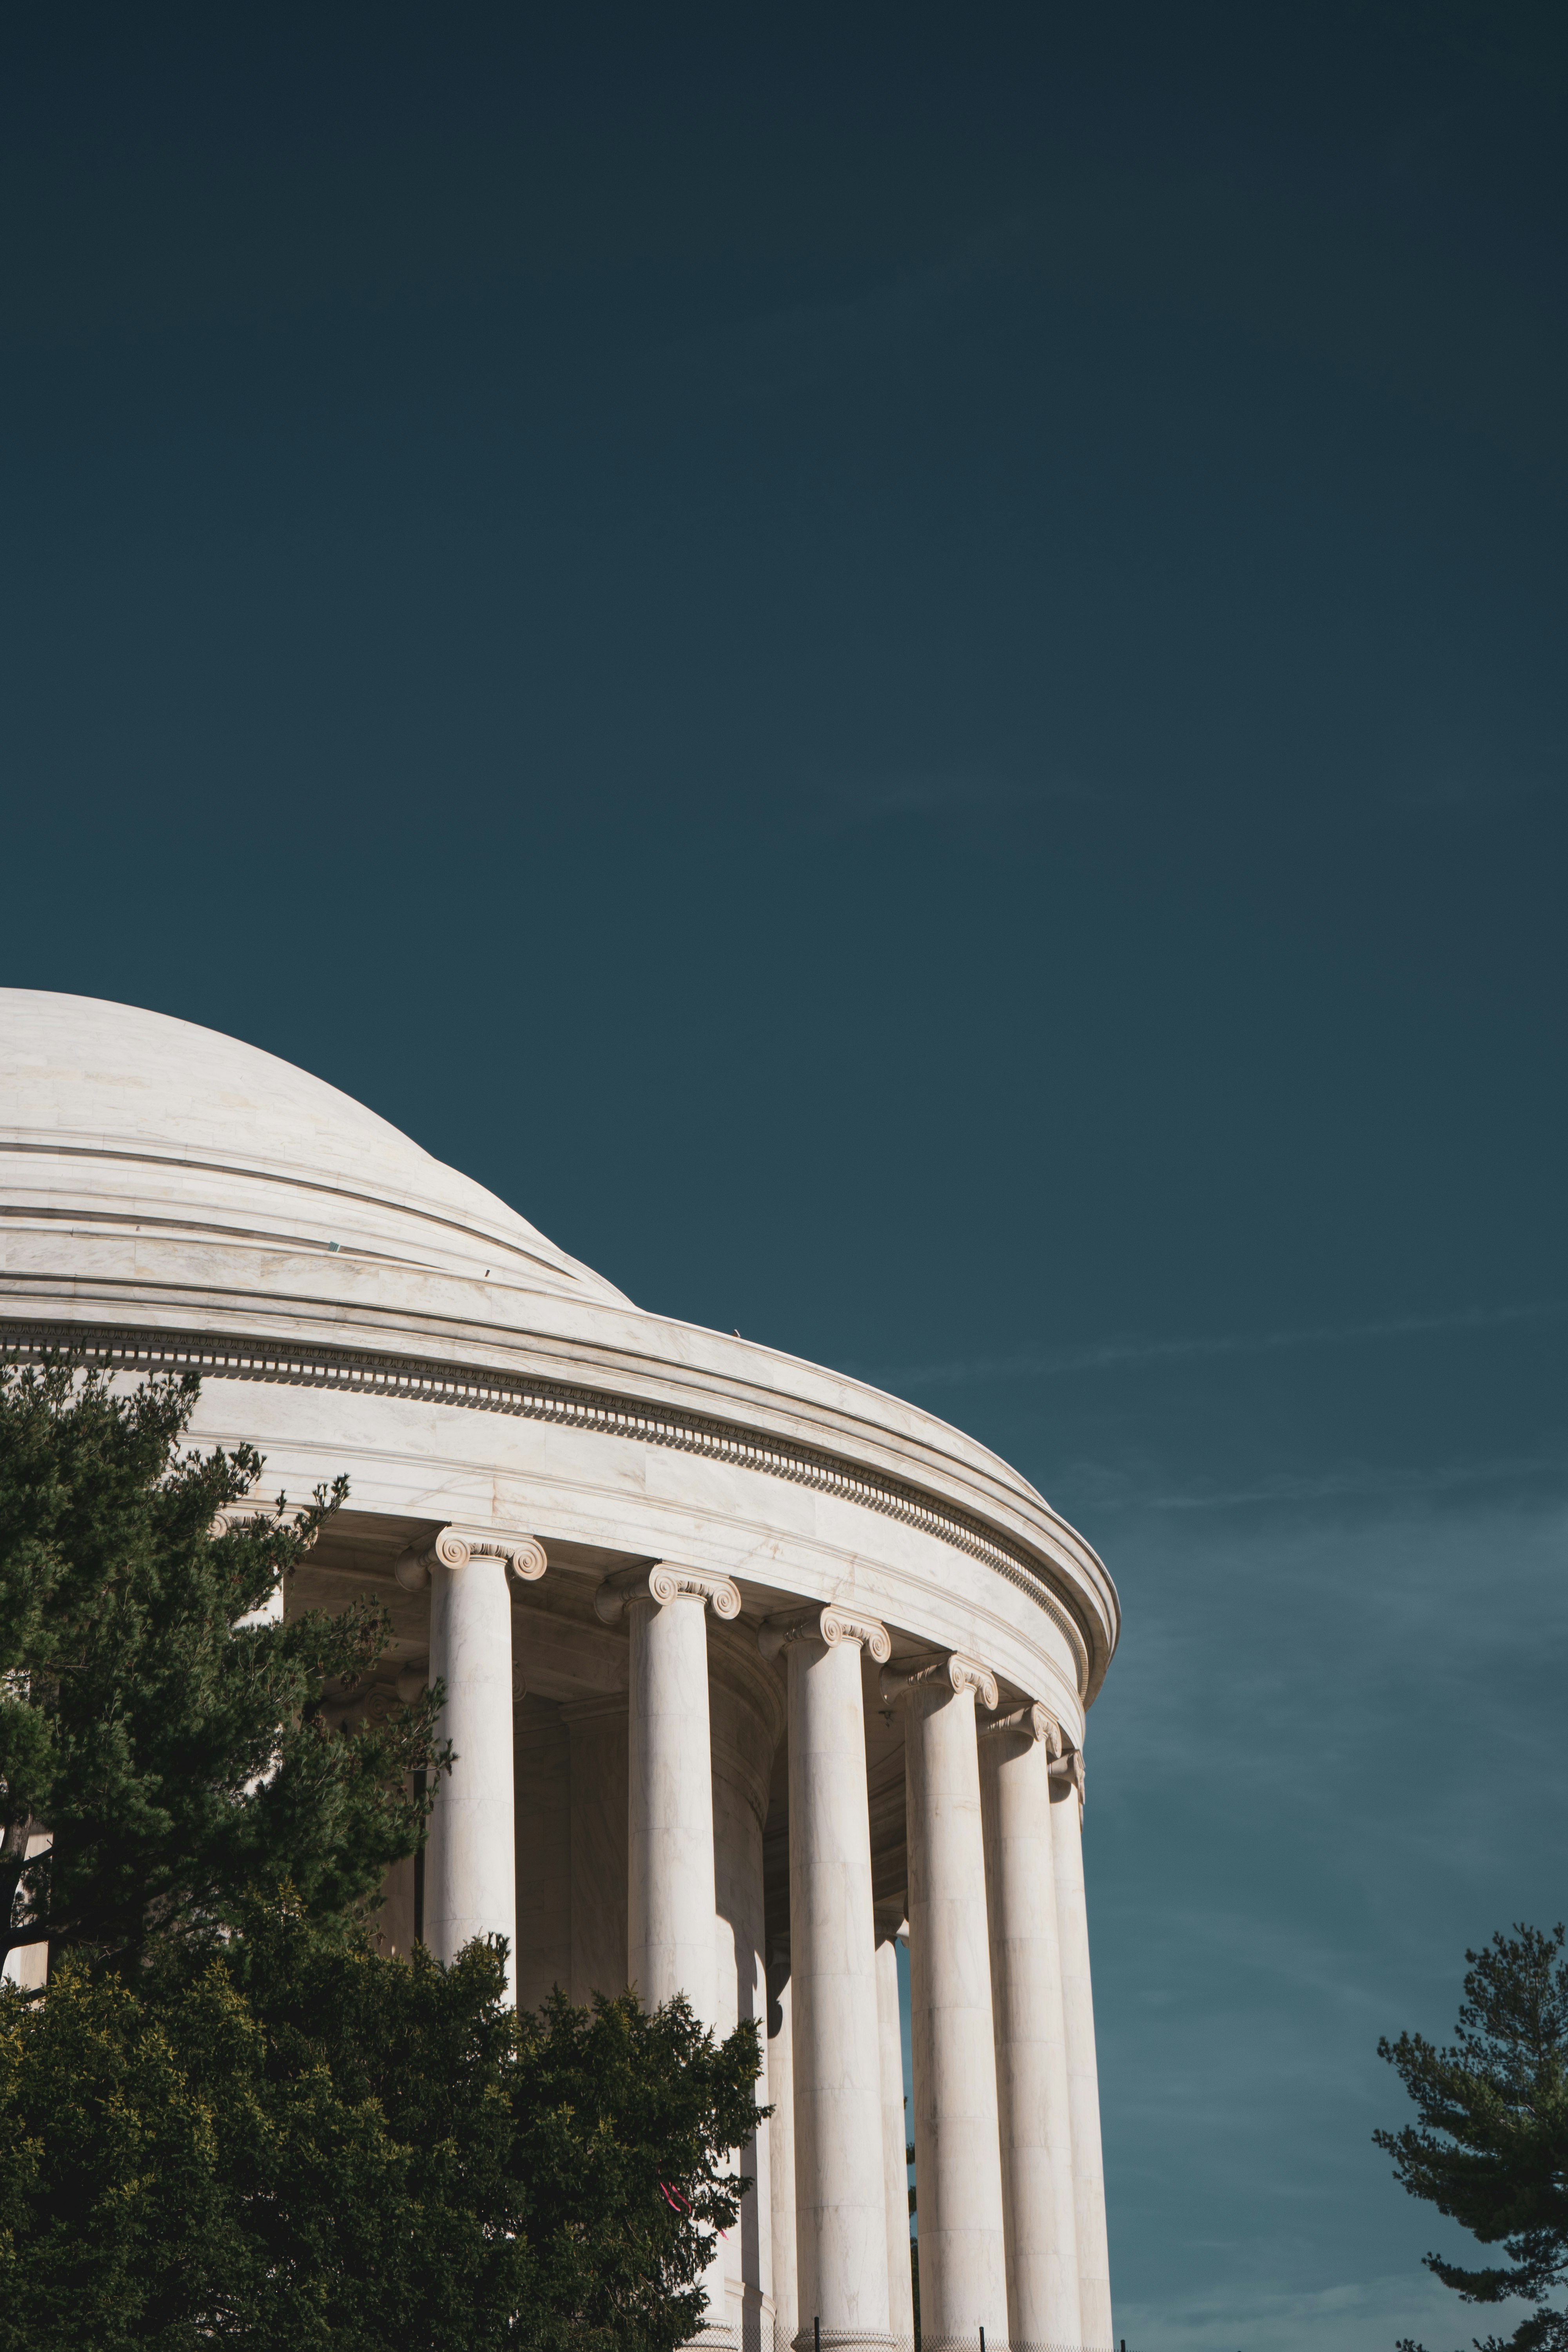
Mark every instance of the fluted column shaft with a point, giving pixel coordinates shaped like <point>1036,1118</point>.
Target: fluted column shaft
<point>958,2171</point>
<point>841,2241</point>
<point>671,1915</point>
<point>895,2134</point>
<point>747,1719</point>
<point>1039,2209</point>
<point>1083,2081</point>
<point>471,1860</point>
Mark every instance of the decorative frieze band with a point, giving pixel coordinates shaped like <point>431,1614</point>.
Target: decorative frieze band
<point>663,1584</point>
<point>365,1373</point>
<point>522,1556</point>
<point>832,1626</point>
<point>958,1672</point>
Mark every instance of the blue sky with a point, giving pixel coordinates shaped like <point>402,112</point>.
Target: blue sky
<point>903,669</point>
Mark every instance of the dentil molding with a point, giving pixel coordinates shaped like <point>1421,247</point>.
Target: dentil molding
<point>367,1372</point>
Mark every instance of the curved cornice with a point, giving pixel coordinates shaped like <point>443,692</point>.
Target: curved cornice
<point>320,1300</point>
<point>529,1395</point>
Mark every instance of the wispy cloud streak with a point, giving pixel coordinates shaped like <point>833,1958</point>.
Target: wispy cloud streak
<point>1116,1489</point>
<point>1270,2318</point>
<point>1113,1355</point>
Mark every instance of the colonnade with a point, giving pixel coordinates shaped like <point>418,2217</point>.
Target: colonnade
<point>1006,2107</point>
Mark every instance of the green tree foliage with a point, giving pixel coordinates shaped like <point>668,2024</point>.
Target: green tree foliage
<point>298,2143</point>
<point>230,2121</point>
<point>176,1756</point>
<point>1490,2148</point>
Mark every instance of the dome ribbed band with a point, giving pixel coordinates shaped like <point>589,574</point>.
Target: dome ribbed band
<point>428,1381</point>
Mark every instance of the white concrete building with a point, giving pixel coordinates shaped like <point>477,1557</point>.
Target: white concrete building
<point>747,1664</point>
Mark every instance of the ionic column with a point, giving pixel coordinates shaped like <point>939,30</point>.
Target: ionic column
<point>747,1721</point>
<point>1038,2204</point>
<point>471,1860</point>
<point>671,1917</point>
<point>841,2236</point>
<point>958,2168</point>
<point>1083,2081</point>
<point>895,2127</point>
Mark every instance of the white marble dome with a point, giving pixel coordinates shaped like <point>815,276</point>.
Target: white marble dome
<point>130,1117</point>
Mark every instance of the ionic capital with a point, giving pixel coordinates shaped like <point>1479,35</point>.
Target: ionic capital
<point>1069,1773</point>
<point>454,1548</point>
<point>662,1584</point>
<point>952,1669</point>
<point>830,1625</point>
<point>1034,1721</point>
<point>244,1514</point>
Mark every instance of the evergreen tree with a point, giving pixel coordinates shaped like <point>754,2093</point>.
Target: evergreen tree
<point>1490,2148</point>
<point>298,2143</point>
<point>175,1755</point>
<point>230,2120</point>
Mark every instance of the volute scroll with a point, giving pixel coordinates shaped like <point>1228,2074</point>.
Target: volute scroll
<point>662,1583</point>
<point>952,1668</point>
<point>232,1516</point>
<point>523,1557</point>
<point>1034,1721</point>
<point>830,1625</point>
